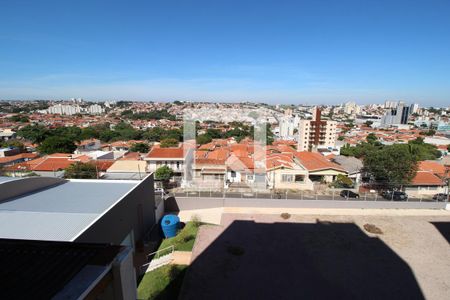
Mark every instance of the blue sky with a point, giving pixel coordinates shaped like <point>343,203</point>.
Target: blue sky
<point>268,51</point>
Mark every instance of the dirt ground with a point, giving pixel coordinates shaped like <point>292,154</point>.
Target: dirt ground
<point>321,257</point>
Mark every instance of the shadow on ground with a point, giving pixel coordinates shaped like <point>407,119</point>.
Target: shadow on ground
<point>444,229</point>
<point>298,261</point>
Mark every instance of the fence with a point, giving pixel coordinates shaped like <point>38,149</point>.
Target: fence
<point>303,195</point>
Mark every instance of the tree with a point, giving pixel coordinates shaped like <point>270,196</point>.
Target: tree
<point>448,147</point>
<point>203,139</point>
<point>89,133</point>
<point>139,147</point>
<point>72,132</point>
<point>163,173</point>
<point>81,171</point>
<point>56,144</point>
<point>34,133</point>
<point>368,123</point>
<point>423,151</point>
<point>391,165</point>
<point>20,119</point>
<point>360,150</point>
<point>167,143</point>
<point>430,132</point>
<point>342,181</point>
<point>371,138</point>
<point>108,135</point>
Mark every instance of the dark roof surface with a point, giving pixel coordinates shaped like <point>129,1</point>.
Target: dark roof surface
<point>39,270</point>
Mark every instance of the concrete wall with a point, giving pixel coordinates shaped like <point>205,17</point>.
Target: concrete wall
<point>135,212</point>
<point>124,275</point>
<point>22,186</point>
<point>181,203</point>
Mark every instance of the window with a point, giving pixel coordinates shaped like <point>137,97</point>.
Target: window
<point>178,164</point>
<point>287,178</point>
<point>250,177</point>
<point>233,174</point>
<point>299,178</point>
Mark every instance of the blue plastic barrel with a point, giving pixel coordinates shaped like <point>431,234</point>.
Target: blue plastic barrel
<point>169,225</point>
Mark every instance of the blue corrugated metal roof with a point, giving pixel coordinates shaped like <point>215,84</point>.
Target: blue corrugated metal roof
<point>61,212</point>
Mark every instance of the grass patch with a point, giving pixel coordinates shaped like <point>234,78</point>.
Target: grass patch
<point>184,240</point>
<point>162,283</point>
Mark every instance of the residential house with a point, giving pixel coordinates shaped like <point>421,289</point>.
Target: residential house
<point>319,168</point>
<point>7,134</point>
<point>284,172</point>
<point>52,165</point>
<point>177,158</point>
<point>351,165</point>
<point>9,151</point>
<point>18,158</point>
<point>88,146</point>
<point>126,169</point>
<point>430,179</point>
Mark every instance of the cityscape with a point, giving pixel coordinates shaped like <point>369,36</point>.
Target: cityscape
<point>241,150</point>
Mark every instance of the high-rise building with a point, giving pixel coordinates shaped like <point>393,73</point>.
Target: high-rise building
<point>351,108</point>
<point>288,125</point>
<point>414,108</point>
<point>390,104</point>
<point>396,116</point>
<point>62,109</point>
<point>95,109</point>
<point>316,133</point>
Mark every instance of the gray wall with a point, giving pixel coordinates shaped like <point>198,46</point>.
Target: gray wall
<point>117,223</point>
<point>15,188</point>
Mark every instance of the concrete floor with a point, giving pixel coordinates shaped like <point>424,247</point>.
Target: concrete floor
<point>263,256</point>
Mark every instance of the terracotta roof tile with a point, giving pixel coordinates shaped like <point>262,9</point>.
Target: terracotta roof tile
<point>426,178</point>
<point>166,153</point>
<point>432,166</point>
<point>314,161</point>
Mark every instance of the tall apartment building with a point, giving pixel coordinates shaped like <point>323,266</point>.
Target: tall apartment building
<point>95,109</point>
<point>316,133</point>
<point>351,108</point>
<point>390,104</point>
<point>414,108</point>
<point>63,109</point>
<point>288,124</point>
<point>396,116</point>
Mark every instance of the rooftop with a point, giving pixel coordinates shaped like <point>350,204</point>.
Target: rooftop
<point>57,212</point>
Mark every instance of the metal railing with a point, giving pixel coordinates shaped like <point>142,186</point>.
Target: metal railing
<point>153,256</point>
<point>301,195</point>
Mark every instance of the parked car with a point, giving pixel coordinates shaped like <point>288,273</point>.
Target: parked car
<point>441,197</point>
<point>395,195</point>
<point>348,194</point>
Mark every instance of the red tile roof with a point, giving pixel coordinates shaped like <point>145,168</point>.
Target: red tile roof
<point>7,159</point>
<point>433,167</point>
<point>314,161</point>
<point>102,165</point>
<point>131,156</point>
<point>426,178</point>
<point>166,153</point>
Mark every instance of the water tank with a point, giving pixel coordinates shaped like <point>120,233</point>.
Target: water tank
<point>169,225</point>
